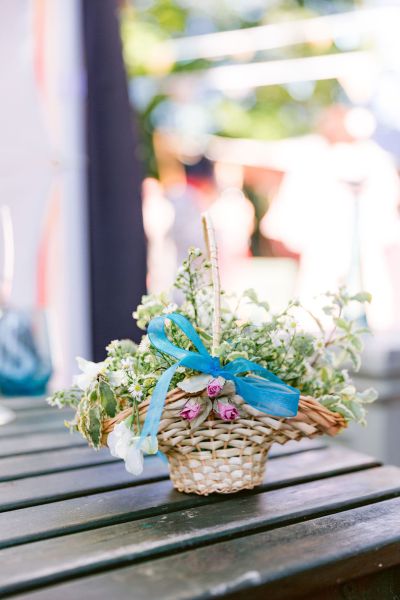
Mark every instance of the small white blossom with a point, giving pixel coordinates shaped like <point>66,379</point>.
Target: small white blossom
<point>135,391</point>
<point>117,378</point>
<point>127,362</point>
<point>55,402</point>
<point>90,370</point>
<point>150,445</point>
<point>112,346</point>
<point>144,344</point>
<point>172,307</point>
<point>278,338</point>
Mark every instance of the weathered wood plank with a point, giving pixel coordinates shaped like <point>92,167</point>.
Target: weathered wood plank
<point>38,442</point>
<point>65,459</point>
<point>78,482</point>
<point>39,414</point>
<point>71,484</point>
<point>41,411</point>
<point>56,461</point>
<point>82,553</point>
<point>39,522</point>
<point>25,403</point>
<point>46,462</point>
<point>286,562</point>
<point>18,428</point>
<point>381,585</point>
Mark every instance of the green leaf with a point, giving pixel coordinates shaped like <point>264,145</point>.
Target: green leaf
<point>367,396</point>
<point>355,358</point>
<point>324,375</point>
<point>362,297</point>
<point>107,399</point>
<point>362,330</point>
<point>343,324</point>
<point>357,410</point>
<point>344,410</point>
<point>94,427</point>
<point>356,343</point>
<point>252,296</point>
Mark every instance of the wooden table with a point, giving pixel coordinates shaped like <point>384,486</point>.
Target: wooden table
<point>74,525</point>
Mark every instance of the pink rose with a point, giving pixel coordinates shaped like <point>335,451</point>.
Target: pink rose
<point>227,411</point>
<point>191,410</point>
<point>214,387</point>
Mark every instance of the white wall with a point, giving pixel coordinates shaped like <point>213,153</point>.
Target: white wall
<point>42,164</point>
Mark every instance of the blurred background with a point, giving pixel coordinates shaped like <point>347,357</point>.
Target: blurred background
<point>121,122</point>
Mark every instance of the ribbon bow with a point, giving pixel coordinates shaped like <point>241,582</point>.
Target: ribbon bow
<point>266,392</point>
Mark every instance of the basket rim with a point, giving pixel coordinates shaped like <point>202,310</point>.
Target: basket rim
<point>310,412</point>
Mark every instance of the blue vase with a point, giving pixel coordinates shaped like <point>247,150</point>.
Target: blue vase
<point>25,363</point>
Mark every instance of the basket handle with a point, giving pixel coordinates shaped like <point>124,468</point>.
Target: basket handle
<point>211,246</point>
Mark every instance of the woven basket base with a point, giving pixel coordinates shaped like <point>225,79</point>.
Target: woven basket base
<point>224,457</point>
<point>202,473</point>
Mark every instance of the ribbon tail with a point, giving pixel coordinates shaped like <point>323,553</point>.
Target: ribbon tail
<point>277,400</point>
<point>153,416</point>
<point>242,365</point>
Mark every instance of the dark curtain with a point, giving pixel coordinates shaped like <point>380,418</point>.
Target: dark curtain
<point>116,237</point>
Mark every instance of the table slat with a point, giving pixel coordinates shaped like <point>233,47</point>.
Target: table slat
<point>56,461</point>
<point>24,403</point>
<point>66,516</point>
<point>80,553</point>
<point>35,422</point>
<point>38,442</point>
<point>69,458</point>
<point>285,562</point>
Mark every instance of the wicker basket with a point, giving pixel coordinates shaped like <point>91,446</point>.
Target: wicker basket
<point>220,456</point>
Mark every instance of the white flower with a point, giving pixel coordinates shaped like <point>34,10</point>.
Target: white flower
<point>123,443</point>
<point>118,440</point>
<point>112,346</point>
<point>90,370</point>
<point>135,391</point>
<point>127,362</point>
<point>55,402</point>
<point>134,460</point>
<point>150,445</point>
<point>198,383</point>
<point>279,337</point>
<point>144,344</point>
<point>172,307</point>
<point>194,384</point>
<point>117,378</point>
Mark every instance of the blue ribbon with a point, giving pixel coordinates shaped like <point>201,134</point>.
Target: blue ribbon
<point>266,392</point>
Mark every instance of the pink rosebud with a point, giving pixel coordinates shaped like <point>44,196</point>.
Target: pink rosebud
<point>227,411</point>
<point>214,387</point>
<point>191,410</point>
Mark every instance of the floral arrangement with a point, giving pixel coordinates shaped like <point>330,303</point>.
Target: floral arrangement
<point>315,364</point>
